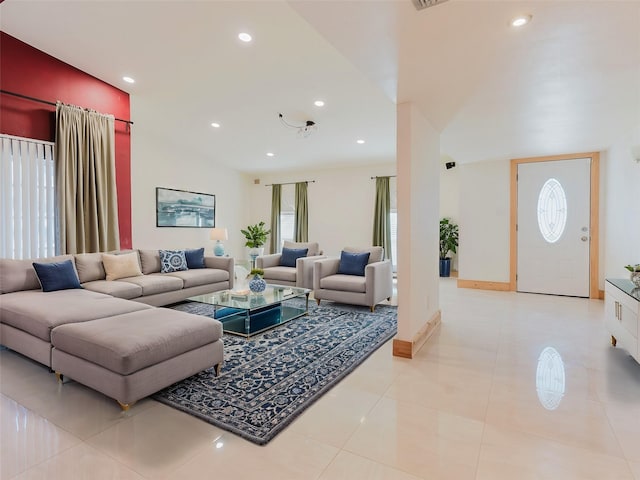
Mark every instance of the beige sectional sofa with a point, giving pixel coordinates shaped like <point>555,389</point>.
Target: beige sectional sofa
<point>123,347</point>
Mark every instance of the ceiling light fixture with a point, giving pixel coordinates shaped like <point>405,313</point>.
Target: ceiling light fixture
<point>215,125</point>
<point>270,154</point>
<point>245,37</point>
<point>304,131</point>
<point>521,20</point>
<point>360,141</point>
<point>128,79</point>
<point>319,103</point>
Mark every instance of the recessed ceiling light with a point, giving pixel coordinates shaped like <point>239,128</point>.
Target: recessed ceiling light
<point>319,103</point>
<point>521,20</point>
<point>245,37</point>
<point>270,154</point>
<point>360,141</point>
<point>128,79</point>
<point>215,125</point>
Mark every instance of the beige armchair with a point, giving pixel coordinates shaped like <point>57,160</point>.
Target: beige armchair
<point>299,276</point>
<point>369,289</point>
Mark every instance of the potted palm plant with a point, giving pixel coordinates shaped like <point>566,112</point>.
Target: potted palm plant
<point>256,236</point>
<point>448,243</point>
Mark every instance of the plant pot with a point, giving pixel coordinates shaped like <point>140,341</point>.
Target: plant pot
<point>257,284</point>
<point>635,278</point>
<point>445,267</point>
<point>256,252</point>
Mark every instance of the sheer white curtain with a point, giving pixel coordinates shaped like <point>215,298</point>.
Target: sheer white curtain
<point>27,198</point>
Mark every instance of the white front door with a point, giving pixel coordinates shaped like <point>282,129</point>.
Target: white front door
<point>553,231</point>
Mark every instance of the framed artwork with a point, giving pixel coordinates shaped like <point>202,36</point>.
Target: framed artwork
<point>178,208</point>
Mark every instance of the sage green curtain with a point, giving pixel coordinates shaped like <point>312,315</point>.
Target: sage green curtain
<point>274,240</point>
<point>86,181</point>
<point>301,232</point>
<point>382,216</point>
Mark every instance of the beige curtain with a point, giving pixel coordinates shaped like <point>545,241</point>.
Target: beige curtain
<point>86,181</point>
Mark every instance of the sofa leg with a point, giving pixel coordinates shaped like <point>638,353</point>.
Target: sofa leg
<point>60,377</point>
<point>218,369</point>
<point>125,406</point>
<point>317,301</point>
<point>373,307</point>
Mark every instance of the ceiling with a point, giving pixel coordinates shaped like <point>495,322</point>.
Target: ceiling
<point>567,82</point>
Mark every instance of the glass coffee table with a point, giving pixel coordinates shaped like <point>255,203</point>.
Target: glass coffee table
<point>245,313</point>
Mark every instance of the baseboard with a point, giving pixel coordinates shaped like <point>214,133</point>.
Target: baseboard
<point>482,285</point>
<point>407,349</point>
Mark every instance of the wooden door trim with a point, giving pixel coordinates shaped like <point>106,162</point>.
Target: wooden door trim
<point>594,216</point>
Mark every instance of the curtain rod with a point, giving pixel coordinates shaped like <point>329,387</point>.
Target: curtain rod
<point>384,176</point>
<point>129,122</point>
<point>290,183</point>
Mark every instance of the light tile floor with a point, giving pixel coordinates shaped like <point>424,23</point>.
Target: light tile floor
<point>468,407</point>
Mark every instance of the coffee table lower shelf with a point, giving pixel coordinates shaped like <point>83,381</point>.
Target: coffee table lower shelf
<point>246,323</point>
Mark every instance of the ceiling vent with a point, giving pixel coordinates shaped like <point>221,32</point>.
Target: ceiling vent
<point>422,4</point>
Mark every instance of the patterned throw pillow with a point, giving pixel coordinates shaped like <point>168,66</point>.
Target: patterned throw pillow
<point>172,261</point>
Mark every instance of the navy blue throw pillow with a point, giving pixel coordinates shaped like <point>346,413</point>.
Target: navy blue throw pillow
<point>353,263</point>
<point>57,276</point>
<point>195,258</point>
<point>290,255</point>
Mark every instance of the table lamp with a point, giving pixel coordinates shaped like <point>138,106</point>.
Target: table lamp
<point>218,234</point>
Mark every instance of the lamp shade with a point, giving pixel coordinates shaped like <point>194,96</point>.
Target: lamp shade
<point>219,234</point>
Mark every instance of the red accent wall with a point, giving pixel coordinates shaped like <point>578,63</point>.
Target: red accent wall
<point>31,72</point>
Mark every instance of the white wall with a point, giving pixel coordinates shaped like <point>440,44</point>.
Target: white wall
<point>483,253</point>
<point>158,162</point>
<point>450,196</point>
<point>341,203</point>
<point>620,219</point>
<point>418,145</point>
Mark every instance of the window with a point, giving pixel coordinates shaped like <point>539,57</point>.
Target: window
<point>27,198</point>
<point>393,194</point>
<point>287,214</point>
<point>394,240</point>
<point>552,210</point>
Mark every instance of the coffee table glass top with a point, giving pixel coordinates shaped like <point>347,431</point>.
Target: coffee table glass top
<point>245,313</point>
<point>247,300</point>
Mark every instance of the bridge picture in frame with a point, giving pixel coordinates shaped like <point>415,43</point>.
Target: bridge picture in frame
<point>179,208</point>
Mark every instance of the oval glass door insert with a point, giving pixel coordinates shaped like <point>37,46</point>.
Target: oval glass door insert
<point>552,210</point>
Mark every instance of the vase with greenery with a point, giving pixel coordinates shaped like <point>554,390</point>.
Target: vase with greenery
<point>448,243</point>
<point>256,236</point>
<point>635,273</point>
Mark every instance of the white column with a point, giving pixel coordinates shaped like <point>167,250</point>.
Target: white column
<point>418,165</point>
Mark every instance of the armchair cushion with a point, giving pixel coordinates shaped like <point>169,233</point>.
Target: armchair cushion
<point>353,263</point>
<point>313,247</point>
<point>376,253</point>
<point>290,255</point>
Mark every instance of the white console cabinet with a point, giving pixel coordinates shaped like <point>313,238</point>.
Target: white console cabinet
<point>622,314</point>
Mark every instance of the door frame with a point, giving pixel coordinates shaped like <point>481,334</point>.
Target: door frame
<point>594,216</point>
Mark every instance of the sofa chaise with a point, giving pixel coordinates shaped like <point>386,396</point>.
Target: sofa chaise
<point>108,335</point>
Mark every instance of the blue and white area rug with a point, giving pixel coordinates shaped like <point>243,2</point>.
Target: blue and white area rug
<point>270,379</point>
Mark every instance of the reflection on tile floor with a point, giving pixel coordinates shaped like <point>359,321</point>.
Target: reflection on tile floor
<point>480,401</point>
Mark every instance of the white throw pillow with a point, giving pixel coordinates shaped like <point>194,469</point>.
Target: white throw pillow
<point>121,266</point>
